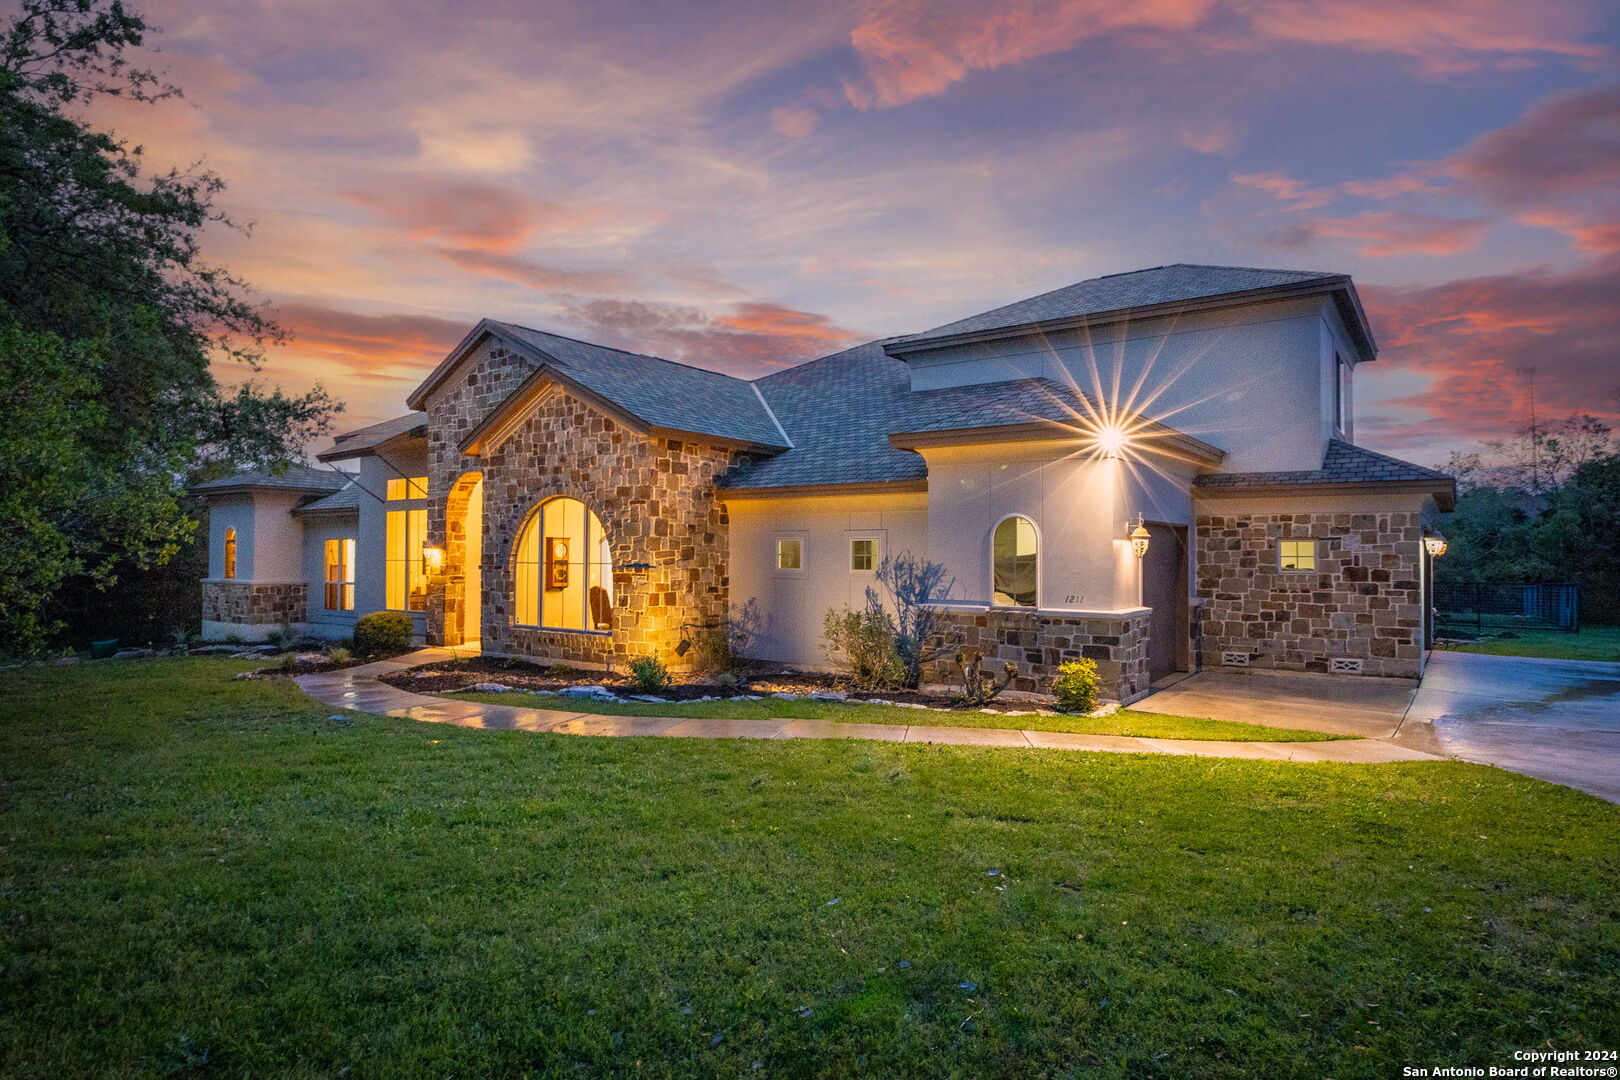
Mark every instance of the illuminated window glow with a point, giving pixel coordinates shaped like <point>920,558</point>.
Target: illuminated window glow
<point>863,554</point>
<point>407,487</point>
<point>1014,563</point>
<point>407,577</point>
<point>1296,554</point>
<point>230,553</point>
<point>564,569</point>
<point>790,554</point>
<point>340,575</point>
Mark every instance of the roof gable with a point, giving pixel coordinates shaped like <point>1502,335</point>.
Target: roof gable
<point>660,394</point>
<point>1142,292</point>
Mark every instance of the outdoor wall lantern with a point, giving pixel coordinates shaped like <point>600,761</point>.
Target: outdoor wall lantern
<point>1435,545</point>
<point>1139,538</point>
<point>1110,441</point>
<point>432,558</point>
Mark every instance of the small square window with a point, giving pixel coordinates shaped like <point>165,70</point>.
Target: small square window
<point>863,554</point>
<point>1296,555</point>
<point>790,554</point>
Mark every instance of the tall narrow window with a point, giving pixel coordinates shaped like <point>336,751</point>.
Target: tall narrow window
<point>407,577</point>
<point>230,553</point>
<point>1014,563</point>
<point>1341,396</point>
<point>564,569</point>
<point>340,575</point>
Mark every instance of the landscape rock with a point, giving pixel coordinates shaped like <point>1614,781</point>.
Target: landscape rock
<point>133,654</point>
<point>490,688</point>
<point>585,691</point>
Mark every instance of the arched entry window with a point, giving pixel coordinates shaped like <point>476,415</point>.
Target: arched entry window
<point>1014,563</point>
<point>230,553</point>
<point>564,569</point>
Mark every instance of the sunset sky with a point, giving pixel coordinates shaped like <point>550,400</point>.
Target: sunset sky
<point>746,185</point>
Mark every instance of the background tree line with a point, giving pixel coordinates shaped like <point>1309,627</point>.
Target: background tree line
<point>112,325</point>
<point>1543,506</point>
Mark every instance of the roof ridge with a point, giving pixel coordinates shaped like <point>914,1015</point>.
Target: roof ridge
<point>621,352</point>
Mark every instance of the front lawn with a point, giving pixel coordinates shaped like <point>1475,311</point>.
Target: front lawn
<point>206,877</point>
<point>1150,725</point>
<point>1590,643</point>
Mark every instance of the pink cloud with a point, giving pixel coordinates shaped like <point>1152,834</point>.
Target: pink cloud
<point>521,271</point>
<point>748,338</point>
<point>1391,232</point>
<point>468,213</point>
<point>795,121</point>
<point>1471,336</point>
<point>1297,194</point>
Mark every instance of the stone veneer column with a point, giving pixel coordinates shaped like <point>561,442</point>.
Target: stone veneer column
<point>1036,643</point>
<point>1363,603</point>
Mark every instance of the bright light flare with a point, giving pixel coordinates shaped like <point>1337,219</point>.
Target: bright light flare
<point>1111,441</point>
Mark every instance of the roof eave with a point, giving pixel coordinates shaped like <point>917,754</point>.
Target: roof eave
<point>418,397</point>
<point>1157,438</point>
<point>393,442</point>
<point>1341,284</point>
<point>858,487</point>
<point>1444,491</point>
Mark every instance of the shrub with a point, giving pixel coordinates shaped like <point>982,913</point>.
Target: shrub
<point>862,645</point>
<point>648,673</point>
<point>1076,686</point>
<point>916,587</point>
<point>382,633</point>
<point>337,654</point>
<point>978,685</point>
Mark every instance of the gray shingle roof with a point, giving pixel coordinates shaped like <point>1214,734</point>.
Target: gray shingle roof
<point>839,411</point>
<point>660,392</point>
<point>345,500</point>
<point>296,478</point>
<point>1341,464</point>
<point>1019,401</point>
<point>360,440</point>
<point>1118,292</point>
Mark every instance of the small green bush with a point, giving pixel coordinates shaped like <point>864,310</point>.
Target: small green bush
<point>337,654</point>
<point>1076,686</point>
<point>648,673</point>
<point>382,633</point>
<point>863,645</point>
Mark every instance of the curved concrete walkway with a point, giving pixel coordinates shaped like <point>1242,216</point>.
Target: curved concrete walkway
<point>358,688</point>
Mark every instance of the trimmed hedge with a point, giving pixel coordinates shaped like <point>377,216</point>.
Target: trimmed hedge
<point>383,633</point>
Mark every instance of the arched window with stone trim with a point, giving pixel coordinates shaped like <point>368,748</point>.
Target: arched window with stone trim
<point>1015,563</point>
<point>564,569</point>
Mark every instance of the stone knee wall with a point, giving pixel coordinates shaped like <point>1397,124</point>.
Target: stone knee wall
<point>1036,643</point>
<point>1363,602</point>
<point>249,603</point>
<point>656,499</point>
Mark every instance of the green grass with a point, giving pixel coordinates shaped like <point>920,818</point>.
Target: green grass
<point>209,878</point>
<point>1150,725</point>
<point>1591,643</point>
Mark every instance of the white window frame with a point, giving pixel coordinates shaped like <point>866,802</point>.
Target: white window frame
<point>1040,561</point>
<point>851,539</point>
<point>776,554</point>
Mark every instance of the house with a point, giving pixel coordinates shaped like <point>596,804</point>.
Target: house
<point>556,499</point>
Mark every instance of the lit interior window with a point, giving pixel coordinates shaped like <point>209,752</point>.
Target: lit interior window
<point>407,487</point>
<point>863,554</point>
<point>789,554</point>
<point>1014,563</point>
<point>230,553</point>
<point>340,575</point>
<point>564,569</point>
<point>407,577</point>
<point>1296,554</point>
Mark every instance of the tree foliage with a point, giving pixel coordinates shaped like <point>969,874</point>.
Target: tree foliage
<point>110,322</point>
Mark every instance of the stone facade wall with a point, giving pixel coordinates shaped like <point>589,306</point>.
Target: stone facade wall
<point>655,497</point>
<point>249,603</point>
<point>1363,602</point>
<point>1037,642</point>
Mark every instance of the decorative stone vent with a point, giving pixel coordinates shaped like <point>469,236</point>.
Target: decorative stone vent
<point>1234,659</point>
<point>1344,665</point>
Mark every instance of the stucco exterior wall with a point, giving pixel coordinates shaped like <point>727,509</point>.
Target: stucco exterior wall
<point>783,609</point>
<point>317,531</point>
<point>1206,373</point>
<point>1361,609</point>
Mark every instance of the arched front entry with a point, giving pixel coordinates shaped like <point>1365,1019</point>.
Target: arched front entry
<point>463,561</point>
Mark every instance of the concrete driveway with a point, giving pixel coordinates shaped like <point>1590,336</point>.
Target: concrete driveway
<point>1558,720</point>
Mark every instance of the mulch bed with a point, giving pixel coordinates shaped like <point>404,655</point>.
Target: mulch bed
<point>450,676</point>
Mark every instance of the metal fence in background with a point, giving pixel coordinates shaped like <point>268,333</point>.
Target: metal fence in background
<point>1518,605</point>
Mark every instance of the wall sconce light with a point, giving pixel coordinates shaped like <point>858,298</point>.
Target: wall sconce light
<point>1435,545</point>
<point>1110,442</point>
<point>432,558</point>
<point>1140,539</point>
